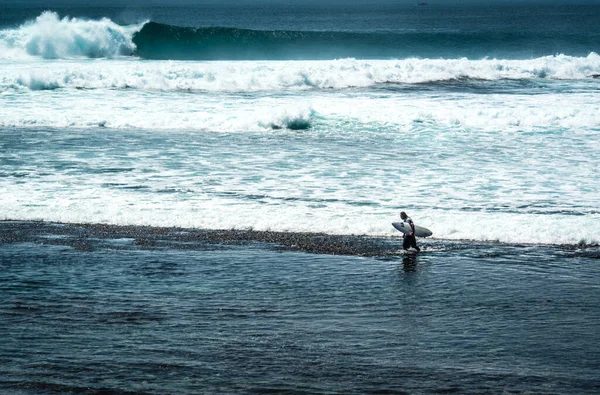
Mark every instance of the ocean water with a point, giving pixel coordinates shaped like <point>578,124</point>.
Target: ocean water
<point>482,123</point>
<point>122,316</point>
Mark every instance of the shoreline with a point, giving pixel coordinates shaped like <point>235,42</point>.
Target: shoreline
<point>92,236</point>
<point>88,237</point>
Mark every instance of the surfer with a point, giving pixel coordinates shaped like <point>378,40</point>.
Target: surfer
<point>409,240</point>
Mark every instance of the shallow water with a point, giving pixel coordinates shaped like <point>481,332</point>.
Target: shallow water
<point>252,317</point>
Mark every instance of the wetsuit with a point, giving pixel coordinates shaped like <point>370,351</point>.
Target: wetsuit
<point>410,241</point>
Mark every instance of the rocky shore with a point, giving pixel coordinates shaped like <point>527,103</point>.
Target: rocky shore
<point>88,237</point>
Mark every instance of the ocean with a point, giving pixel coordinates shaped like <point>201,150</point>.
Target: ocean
<point>198,199</point>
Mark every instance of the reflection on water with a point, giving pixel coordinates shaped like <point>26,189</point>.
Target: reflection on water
<point>409,262</point>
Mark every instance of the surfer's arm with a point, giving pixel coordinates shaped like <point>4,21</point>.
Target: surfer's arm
<point>412,228</point>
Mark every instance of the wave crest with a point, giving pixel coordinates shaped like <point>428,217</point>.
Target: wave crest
<point>299,75</point>
<point>161,41</point>
<point>50,37</point>
<point>296,119</point>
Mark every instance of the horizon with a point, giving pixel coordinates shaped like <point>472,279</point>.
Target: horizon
<point>289,3</point>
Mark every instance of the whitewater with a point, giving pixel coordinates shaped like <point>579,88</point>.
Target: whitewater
<point>104,123</point>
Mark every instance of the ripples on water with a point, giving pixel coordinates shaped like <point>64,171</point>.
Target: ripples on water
<point>244,316</point>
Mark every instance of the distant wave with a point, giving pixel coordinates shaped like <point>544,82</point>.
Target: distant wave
<point>50,37</point>
<point>160,41</point>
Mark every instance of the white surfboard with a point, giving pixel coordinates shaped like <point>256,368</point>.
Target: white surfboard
<point>404,227</point>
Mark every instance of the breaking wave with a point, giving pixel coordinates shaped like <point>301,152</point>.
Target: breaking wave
<point>298,75</point>
<point>50,37</point>
<point>160,41</point>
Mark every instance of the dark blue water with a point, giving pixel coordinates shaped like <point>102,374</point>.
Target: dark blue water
<point>125,316</point>
<point>381,31</point>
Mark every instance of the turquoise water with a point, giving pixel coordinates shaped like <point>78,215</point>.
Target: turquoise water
<point>482,123</point>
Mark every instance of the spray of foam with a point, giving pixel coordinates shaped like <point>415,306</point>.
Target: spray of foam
<point>286,118</point>
<point>254,76</point>
<point>50,37</point>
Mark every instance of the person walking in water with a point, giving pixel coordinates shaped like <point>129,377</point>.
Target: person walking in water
<point>409,240</point>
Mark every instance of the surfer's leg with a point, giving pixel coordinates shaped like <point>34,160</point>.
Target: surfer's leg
<point>413,242</point>
<point>406,243</point>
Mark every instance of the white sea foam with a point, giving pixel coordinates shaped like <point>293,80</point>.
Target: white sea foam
<point>262,76</point>
<point>212,96</point>
<point>135,209</point>
<point>50,37</point>
<point>331,111</point>
<point>517,187</point>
